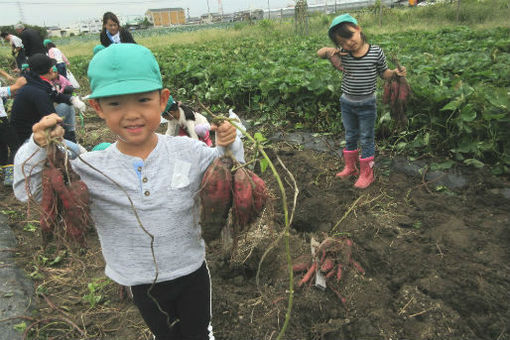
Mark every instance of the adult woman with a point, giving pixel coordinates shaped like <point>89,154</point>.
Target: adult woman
<point>112,33</point>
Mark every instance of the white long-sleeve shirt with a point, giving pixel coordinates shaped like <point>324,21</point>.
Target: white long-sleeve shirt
<point>5,92</point>
<point>163,188</point>
<point>55,53</point>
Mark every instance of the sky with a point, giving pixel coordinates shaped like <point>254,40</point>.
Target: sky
<point>65,12</point>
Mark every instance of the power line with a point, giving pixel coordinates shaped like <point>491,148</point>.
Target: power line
<point>81,3</point>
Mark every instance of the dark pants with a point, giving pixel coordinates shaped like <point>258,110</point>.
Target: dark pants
<point>21,59</point>
<point>8,140</point>
<point>187,301</point>
<point>62,70</point>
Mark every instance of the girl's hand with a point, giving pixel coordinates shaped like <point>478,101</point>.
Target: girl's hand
<point>225,133</point>
<point>47,128</point>
<point>402,72</point>
<point>328,52</point>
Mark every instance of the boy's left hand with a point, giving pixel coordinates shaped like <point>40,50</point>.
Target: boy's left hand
<point>225,133</point>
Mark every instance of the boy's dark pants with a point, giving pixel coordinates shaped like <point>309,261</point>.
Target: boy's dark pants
<point>186,299</point>
<point>8,140</point>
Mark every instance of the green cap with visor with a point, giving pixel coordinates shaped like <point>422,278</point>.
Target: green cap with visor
<point>46,42</point>
<point>343,18</point>
<point>123,69</point>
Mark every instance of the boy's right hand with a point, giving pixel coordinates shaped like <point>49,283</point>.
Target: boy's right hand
<point>48,128</point>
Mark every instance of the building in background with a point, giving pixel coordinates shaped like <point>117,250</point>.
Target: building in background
<point>164,17</point>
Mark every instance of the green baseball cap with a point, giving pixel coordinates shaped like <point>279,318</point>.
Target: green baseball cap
<point>169,104</point>
<point>123,69</point>
<point>46,42</point>
<point>343,18</point>
<point>98,48</point>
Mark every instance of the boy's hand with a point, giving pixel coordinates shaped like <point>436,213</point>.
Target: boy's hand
<point>47,128</point>
<point>225,133</point>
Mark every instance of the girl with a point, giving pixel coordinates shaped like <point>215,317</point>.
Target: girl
<point>112,33</point>
<point>55,53</point>
<point>361,63</point>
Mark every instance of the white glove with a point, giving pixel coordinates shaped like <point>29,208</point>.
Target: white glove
<point>78,104</point>
<point>233,115</point>
<point>202,129</point>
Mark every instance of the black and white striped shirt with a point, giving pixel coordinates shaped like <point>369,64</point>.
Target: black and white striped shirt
<point>360,76</point>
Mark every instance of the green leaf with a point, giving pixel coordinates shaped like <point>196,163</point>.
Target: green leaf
<point>20,327</point>
<point>259,137</point>
<point>474,162</point>
<point>468,114</point>
<point>263,165</point>
<point>442,166</point>
<point>451,106</point>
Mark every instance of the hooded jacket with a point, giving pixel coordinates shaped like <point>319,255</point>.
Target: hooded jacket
<point>125,37</point>
<point>32,102</point>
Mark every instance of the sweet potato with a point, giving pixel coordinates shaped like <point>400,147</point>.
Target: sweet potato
<point>336,61</point>
<point>65,203</point>
<point>358,267</point>
<point>300,267</point>
<point>386,92</point>
<point>216,198</point>
<point>327,265</point>
<point>243,198</point>
<point>48,204</point>
<point>260,193</point>
<point>308,274</point>
<point>394,92</point>
<point>339,272</point>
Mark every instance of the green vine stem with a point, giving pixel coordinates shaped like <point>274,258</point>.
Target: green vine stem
<point>217,119</point>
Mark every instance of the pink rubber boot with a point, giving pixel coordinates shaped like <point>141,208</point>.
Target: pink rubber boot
<point>350,168</point>
<point>366,176</point>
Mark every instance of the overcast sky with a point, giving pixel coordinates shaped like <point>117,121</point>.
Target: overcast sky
<point>64,12</point>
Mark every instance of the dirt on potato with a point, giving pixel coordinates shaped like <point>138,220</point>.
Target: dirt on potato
<point>435,260</point>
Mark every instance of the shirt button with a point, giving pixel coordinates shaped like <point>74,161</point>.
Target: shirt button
<point>147,193</point>
<point>145,180</point>
<point>139,169</point>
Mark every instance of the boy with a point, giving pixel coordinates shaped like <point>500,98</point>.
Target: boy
<point>161,174</point>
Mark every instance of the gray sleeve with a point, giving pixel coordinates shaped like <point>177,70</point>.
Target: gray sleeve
<point>28,166</point>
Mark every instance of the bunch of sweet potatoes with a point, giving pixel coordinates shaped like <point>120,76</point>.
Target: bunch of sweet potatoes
<point>223,189</point>
<point>395,94</point>
<point>65,199</point>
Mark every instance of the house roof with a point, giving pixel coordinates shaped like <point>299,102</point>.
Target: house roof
<point>165,9</point>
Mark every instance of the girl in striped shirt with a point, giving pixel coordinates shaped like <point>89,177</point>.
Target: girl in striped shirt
<point>361,63</point>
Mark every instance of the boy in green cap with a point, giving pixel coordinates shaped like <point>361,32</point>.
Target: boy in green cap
<point>155,174</point>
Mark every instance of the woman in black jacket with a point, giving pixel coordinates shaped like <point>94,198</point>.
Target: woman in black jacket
<point>112,33</point>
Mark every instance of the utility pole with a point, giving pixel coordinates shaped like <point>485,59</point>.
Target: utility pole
<point>208,12</point>
<point>21,15</point>
<point>220,8</point>
<point>268,10</point>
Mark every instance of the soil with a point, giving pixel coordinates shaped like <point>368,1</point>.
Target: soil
<point>433,262</point>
